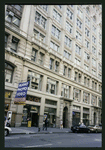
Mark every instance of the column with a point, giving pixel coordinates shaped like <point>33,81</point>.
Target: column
<point>81,96</point>
<point>72,73</point>
<point>47,60</point>
<point>90,114</point>
<point>25,73</point>
<point>57,114</point>
<point>82,79</point>
<point>70,118</point>
<point>41,111</point>
<point>71,92</point>
<point>44,83</point>
<point>81,114</point>
<point>61,111</point>
<point>9,42</point>
<point>61,68</point>
<point>59,88</point>
<point>18,118</point>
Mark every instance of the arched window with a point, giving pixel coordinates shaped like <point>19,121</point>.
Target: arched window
<point>8,72</point>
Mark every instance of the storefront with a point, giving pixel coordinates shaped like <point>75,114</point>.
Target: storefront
<point>75,115</point>
<point>31,112</point>
<point>51,116</point>
<point>86,116</point>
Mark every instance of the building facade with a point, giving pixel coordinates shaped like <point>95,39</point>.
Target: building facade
<point>58,48</point>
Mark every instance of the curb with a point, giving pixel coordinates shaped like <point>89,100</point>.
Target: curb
<point>40,133</point>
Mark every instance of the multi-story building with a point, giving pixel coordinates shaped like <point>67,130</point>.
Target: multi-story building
<point>58,49</point>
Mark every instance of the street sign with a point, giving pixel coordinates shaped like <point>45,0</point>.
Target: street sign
<point>20,97</point>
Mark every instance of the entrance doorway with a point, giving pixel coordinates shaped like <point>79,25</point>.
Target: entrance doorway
<point>65,117</point>
<point>34,117</point>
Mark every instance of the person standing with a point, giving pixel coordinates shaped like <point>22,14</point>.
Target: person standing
<point>46,123</point>
<point>61,124</point>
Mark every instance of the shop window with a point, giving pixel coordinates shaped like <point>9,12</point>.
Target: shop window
<point>50,102</point>
<point>33,98</point>
<point>14,44</point>
<point>35,80</point>
<point>8,72</point>
<point>8,94</point>
<point>51,86</point>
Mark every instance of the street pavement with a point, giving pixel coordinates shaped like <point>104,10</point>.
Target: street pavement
<point>54,140</point>
<point>34,130</point>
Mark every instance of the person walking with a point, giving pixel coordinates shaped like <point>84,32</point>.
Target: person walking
<point>43,124</point>
<point>46,123</point>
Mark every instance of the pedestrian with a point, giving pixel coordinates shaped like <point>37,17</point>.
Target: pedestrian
<point>46,123</point>
<point>61,124</point>
<point>7,122</point>
<point>43,124</point>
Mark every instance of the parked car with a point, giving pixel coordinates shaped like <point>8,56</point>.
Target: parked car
<point>7,130</point>
<point>95,128</point>
<point>79,128</point>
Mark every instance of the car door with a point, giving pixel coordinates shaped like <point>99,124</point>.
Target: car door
<point>98,128</point>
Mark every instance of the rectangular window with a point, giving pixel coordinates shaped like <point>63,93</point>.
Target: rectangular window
<point>67,55</point>
<point>55,32</point>
<point>94,99</point>
<point>51,63</point>
<point>87,21</point>
<point>87,32</point>
<point>64,70</point>
<point>76,76</point>
<point>68,41</point>
<point>76,95</point>
<point>56,66</point>
<point>85,79</point>
<point>77,49</point>
<point>10,17</point>
<point>69,72</point>
<point>79,23</point>
<point>78,36</point>
<point>79,12</point>
<point>69,27</point>
<point>41,58</point>
<point>86,67</point>
<point>99,67</point>
<point>86,98</point>
<point>69,14</point>
<point>93,39</point>
<point>44,7</point>
<point>51,86</point>
<point>93,62</point>
<point>39,19</point>
<point>34,55</point>
<point>77,61</point>
<point>86,56</point>
<point>57,16</point>
<point>87,44</point>
<point>6,40</point>
<point>93,50</point>
<point>93,72</point>
<point>54,46</point>
<point>14,44</point>
<point>65,91</point>
<point>50,102</point>
<point>35,80</point>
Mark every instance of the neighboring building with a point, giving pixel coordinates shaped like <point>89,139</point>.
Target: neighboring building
<point>58,48</point>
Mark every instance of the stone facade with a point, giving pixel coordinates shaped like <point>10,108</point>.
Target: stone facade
<point>48,60</point>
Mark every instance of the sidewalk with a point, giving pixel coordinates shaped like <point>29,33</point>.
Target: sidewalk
<point>34,130</point>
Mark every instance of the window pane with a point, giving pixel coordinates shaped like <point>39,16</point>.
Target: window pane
<point>16,21</point>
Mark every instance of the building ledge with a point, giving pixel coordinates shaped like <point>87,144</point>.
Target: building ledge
<point>67,99</point>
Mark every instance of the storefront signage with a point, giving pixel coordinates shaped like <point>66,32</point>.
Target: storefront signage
<point>20,97</point>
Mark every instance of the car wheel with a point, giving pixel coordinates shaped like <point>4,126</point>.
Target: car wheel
<point>6,132</point>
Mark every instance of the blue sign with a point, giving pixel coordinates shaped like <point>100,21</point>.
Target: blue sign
<point>21,93</point>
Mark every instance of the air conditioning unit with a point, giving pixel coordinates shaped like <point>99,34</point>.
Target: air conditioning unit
<point>11,13</point>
